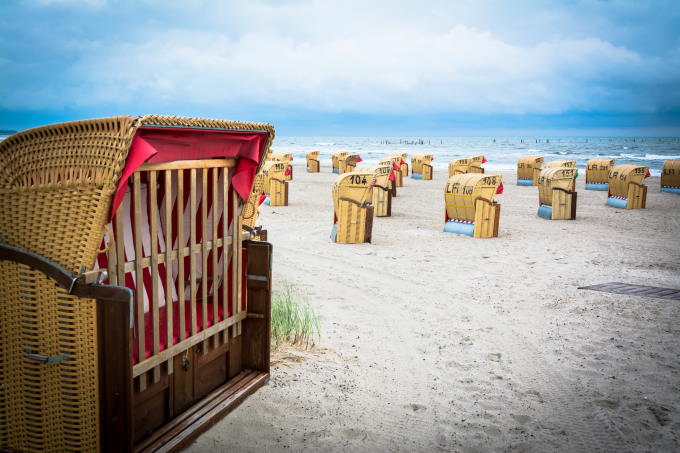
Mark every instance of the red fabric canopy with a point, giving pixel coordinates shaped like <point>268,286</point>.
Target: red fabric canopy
<point>167,144</point>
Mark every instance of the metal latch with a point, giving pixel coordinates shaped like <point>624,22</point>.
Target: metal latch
<point>43,358</point>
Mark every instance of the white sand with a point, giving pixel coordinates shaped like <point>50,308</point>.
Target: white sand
<point>439,342</point>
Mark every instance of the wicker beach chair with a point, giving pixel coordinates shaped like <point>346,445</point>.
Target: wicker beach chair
<point>470,208</point>
<point>178,334</point>
<point>313,165</point>
<point>399,163</point>
<point>349,163</point>
<point>382,196</point>
<point>560,163</point>
<point>626,186</point>
<point>458,166</point>
<point>670,176</point>
<point>528,169</point>
<point>336,158</point>
<point>275,186</point>
<point>421,167</point>
<point>286,158</point>
<point>597,173</point>
<point>352,208</point>
<point>475,165</point>
<point>251,209</point>
<point>403,167</point>
<point>396,173</point>
<point>564,164</point>
<point>556,194</point>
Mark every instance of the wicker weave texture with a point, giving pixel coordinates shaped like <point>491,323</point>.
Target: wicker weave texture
<point>52,406</point>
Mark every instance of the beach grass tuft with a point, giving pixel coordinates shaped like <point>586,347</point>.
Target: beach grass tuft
<point>294,320</point>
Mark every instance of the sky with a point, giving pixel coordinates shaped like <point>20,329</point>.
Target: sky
<point>369,68</point>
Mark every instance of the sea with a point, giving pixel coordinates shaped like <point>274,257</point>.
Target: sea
<point>501,152</point>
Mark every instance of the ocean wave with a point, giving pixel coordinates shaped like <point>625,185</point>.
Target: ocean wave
<point>661,156</point>
<point>324,144</point>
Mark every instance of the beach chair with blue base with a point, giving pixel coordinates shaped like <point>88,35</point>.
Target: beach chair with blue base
<point>528,169</point>
<point>626,186</point>
<point>421,167</point>
<point>670,177</point>
<point>597,173</point>
<point>349,163</point>
<point>352,208</point>
<point>470,206</point>
<point>313,165</point>
<point>275,186</point>
<point>336,158</point>
<point>556,194</point>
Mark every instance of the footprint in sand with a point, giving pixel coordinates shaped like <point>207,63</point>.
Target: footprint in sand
<point>415,407</point>
<point>465,341</point>
<point>494,356</point>
<point>521,419</point>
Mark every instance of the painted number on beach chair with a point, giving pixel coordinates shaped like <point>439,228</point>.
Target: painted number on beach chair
<point>358,179</point>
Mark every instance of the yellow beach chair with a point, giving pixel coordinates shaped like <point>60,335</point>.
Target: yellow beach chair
<point>382,196</point>
<point>336,158</point>
<point>597,173</point>
<point>275,186</point>
<point>557,198</point>
<point>626,186</point>
<point>475,165</point>
<point>286,158</point>
<point>421,167</point>
<point>352,208</point>
<point>396,172</point>
<point>398,160</point>
<point>313,165</point>
<point>135,312</point>
<point>564,164</point>
<point>470,206</point>
<point>458,166</point>
<point>403,167</point>
<point>349,163</point>
<point>670,176</point>
<point>251,209</point>
<point>528,169</point>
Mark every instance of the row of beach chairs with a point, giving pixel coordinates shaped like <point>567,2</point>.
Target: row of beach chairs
<point>470,206</point>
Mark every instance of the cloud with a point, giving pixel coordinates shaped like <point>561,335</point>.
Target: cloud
<point>374,58</point>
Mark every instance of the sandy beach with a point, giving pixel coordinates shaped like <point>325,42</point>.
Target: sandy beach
<point>439,342</point>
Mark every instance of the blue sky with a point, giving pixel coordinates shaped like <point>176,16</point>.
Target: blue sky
<point>349,68</point>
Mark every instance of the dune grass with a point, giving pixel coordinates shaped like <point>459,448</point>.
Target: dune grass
<point>294,320</point>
